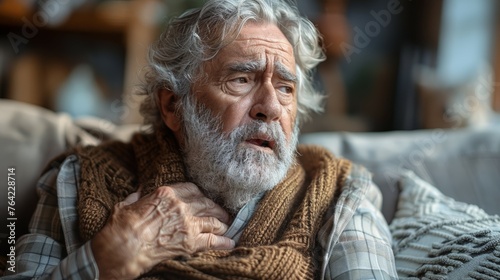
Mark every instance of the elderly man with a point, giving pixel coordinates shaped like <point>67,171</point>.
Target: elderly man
<point>217,188</point>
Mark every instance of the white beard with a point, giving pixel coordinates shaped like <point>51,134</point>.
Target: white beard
<point>226,170</point>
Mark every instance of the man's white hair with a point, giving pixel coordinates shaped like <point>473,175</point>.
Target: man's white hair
<point>197,35</point>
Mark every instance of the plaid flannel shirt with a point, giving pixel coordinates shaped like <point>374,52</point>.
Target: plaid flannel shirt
<point>355,239</point>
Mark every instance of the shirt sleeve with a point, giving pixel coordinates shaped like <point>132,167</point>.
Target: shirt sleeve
<point>356,239</point>
<point>52,250</point>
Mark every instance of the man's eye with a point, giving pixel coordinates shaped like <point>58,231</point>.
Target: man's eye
<point>285,89</point>
<point>241,80</point>
<point>239,85</point>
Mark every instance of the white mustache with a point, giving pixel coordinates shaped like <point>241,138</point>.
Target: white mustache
<point>271,131</point>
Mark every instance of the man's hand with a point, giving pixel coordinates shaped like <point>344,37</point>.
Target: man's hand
<point>173,221</point>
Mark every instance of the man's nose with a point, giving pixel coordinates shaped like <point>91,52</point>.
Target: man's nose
<point>266,105</point>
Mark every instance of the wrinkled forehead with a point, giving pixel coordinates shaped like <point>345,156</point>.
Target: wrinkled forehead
<point>264,35</point>
<point>258,45</point>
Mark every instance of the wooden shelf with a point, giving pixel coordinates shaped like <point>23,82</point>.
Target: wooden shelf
<point>136,21</point>
<point>112,16</point>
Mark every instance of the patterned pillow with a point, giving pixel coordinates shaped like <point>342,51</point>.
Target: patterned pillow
<point>436,237</point>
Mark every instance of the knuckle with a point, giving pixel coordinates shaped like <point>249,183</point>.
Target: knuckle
<point>189,244</point>
<point>181,209</point>
<point>118,206</point>
<point>121,208</point>
<point>190,247</point>
<point>215,224</point>
<point>165,191</point>
<point>212,241</point>
<point>188,188</point>
<point>203,223</point>
<point>181,225</point>
<point>209,204</point>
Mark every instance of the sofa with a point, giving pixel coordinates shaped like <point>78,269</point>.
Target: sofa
<point>462,163</point>
<point>459,167</point>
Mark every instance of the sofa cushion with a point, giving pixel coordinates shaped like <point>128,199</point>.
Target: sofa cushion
<point>462,163</point>
<point>29,137</point>
<point>436,237</point>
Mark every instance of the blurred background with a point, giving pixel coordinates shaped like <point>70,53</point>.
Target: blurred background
<point>392,64</point>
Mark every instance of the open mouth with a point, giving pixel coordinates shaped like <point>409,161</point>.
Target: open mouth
<point>262,142</point>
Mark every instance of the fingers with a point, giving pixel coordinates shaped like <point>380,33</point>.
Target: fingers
<point>212,225</point>
<point>211,236</point>
<point>186,191</point>
<point>204,207</point>
<point>215,242</point>
<point>186,201</point>
<point>198,204</point>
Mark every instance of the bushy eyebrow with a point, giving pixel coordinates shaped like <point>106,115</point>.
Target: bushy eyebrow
<point>284,73</point>
<point>246,67</point>
<point>256,66</point>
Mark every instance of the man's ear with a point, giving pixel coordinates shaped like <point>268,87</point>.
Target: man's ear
<point>167,100</point>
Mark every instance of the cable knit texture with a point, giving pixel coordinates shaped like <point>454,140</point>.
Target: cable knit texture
<point>278,242</point>
<point>436,237</point>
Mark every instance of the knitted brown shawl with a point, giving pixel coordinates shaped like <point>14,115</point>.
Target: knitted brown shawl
<point>279,241</point>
